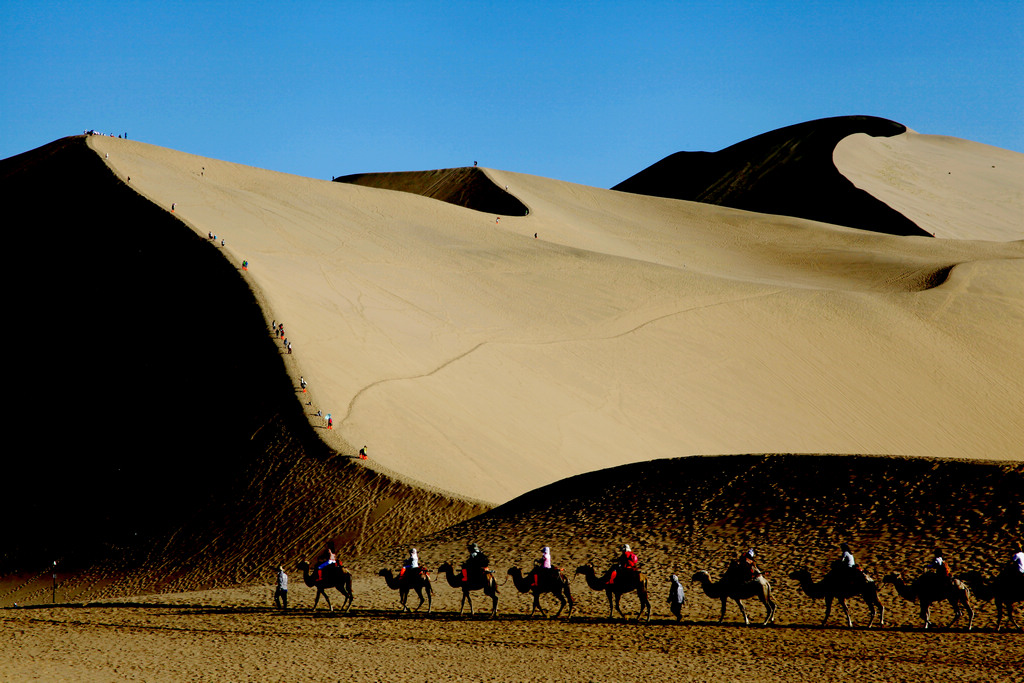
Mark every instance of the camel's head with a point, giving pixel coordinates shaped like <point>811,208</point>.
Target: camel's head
<point>799,574</point>
<point>891,577</point>
<point>444,567</point>
<point>700,576</point>
<point>384,572</point>
<point>303,565</point>
<point>585,569</point>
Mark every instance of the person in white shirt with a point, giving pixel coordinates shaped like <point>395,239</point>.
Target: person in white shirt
<point>281,592</point>
<point>1018,559</point>
<point>411,562</point>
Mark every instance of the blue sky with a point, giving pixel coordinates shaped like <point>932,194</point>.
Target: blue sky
<point>585,92</point>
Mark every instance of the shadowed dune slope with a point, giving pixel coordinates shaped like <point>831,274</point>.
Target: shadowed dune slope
<point>788,172</point>
<point>467,186</point>
<point>162,446</point>
<point>686,514</point>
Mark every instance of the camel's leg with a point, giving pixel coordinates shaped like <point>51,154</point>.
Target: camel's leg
<point>543,612</point>
<point>846,611</point>
<point>769,609</point>
<point>828,610</point>
<point>1010,619</point>
<point>970,615</point>
<point>466,597</point>
<point>611,605</point>
<point>743,611</point>
<point>618,608</point>
<point>926,614</point>
<point>721,617</point>
<point>956,613</point>
<point>430,597</point>
<point>561,605</point>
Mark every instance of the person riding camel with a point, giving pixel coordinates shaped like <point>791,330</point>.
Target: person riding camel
<point>846,567</point>
<point>327,558</point>
<point>742,568</point>
<point>540,565</point>
<point>1017,561</point>
<point>940,566</point>
<point>627,561</point>
<point>411,562</point>
<point>476,564</point>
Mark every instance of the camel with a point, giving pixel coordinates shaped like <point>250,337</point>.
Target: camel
<point>413,579</point>
<point>626,582</point>
<point>484,582</point>
<point>334,576</point>
<point>928,588</point>
<point>548,582</point>
<point>841,590</point>
<point>757,588</point>
<point>1006,589</point>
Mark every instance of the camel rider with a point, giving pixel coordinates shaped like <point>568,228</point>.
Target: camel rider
<point>749,565</point>
<point>1017,562</point>
<point>327,558</point>
<point>846,566</point>
<point>411,562</point>
<point>544,562</point>
<point>626,561</point>
<point>939,565</point>
<point>475,564</point>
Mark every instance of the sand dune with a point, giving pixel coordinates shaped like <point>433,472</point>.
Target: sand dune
<point>480,360</point>
<point>477,359</point>
<point>788,172</point>
<point>950,187</point>
<point>469,187</point>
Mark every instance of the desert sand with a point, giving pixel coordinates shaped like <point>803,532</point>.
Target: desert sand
<point>518,380</point>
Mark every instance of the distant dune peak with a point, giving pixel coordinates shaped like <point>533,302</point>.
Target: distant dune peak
<point>467,186</point>
<point>789,171</point>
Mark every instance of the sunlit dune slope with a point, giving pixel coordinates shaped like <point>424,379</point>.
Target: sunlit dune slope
<point>489,357</point>
<point>950,187</point>
<point>788,172</point>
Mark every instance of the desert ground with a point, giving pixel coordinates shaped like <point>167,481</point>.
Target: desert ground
<point>692,368</point>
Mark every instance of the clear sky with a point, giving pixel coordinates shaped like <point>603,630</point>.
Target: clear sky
<point>589,92</point>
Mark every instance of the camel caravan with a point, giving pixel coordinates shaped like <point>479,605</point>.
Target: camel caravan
<point>741,580</point>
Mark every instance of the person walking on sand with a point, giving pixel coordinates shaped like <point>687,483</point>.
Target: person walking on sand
<point>676,597</point>
<point>281,591</point>
<point>330,422</point>
<point>362,453</point>
<point>302,383</point>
